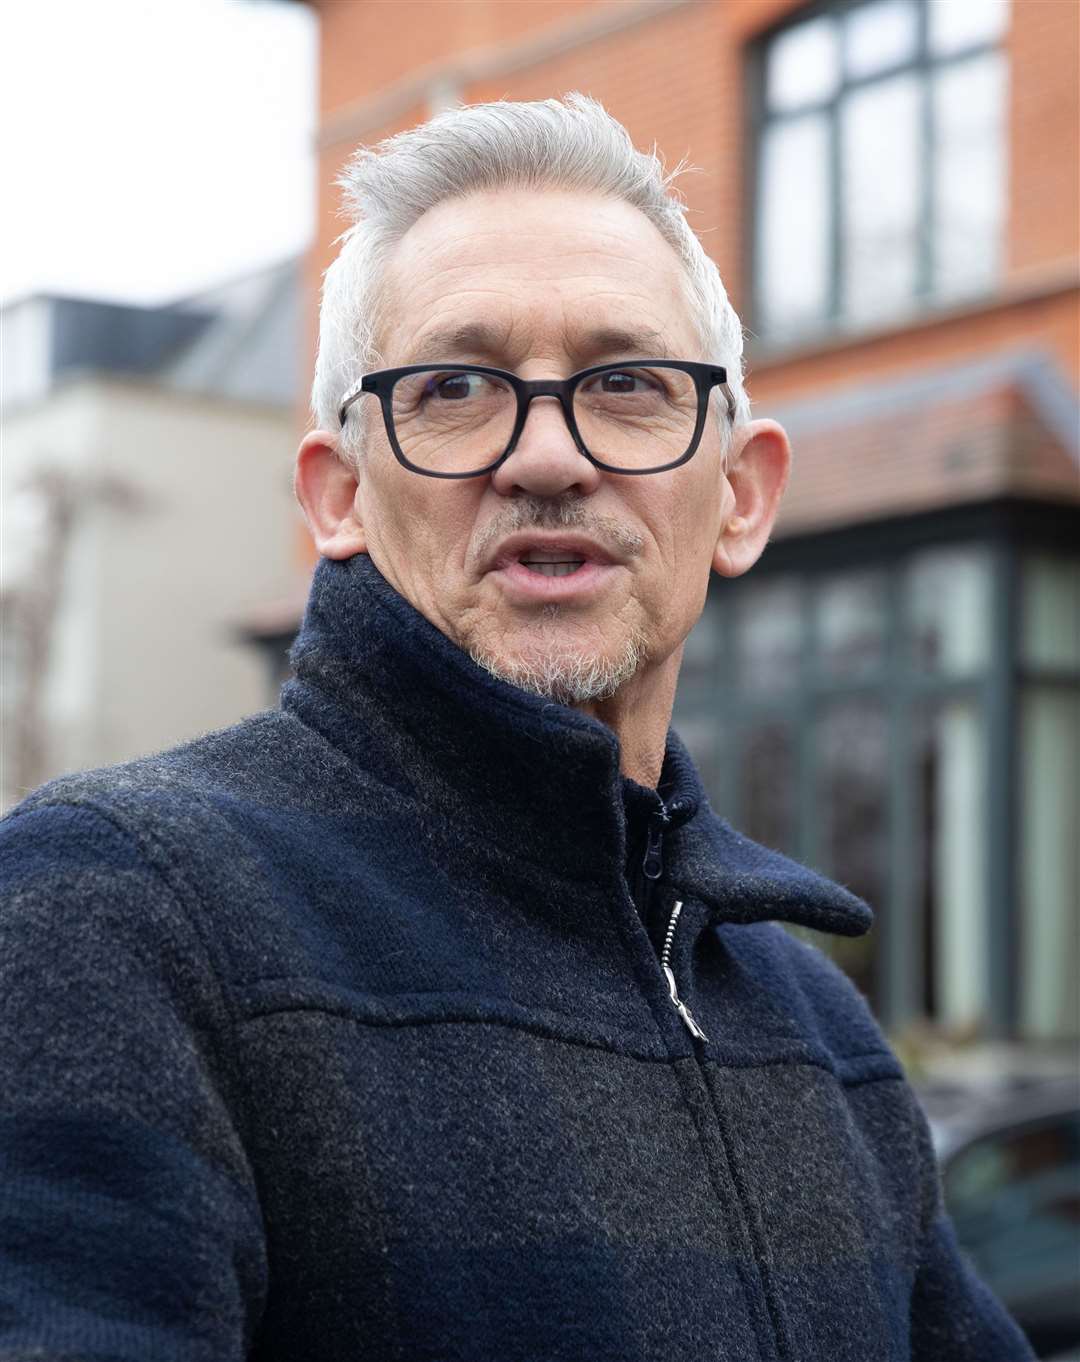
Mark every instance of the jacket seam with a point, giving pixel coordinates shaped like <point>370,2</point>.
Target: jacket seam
<point>135,838</point>
<point>246,1018</point>
<point>400,1023</point>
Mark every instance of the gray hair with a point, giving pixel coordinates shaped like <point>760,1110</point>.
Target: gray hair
<point>572,144</point>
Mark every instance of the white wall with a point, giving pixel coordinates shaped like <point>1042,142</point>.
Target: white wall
<point>144,654</point>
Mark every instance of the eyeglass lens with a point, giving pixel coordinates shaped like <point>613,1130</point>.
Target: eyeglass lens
<point>452,421</point>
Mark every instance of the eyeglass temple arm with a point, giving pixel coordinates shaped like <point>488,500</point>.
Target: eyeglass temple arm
<point>348,398</point>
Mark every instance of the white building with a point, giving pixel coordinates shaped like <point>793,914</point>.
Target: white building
<point>146,510</point>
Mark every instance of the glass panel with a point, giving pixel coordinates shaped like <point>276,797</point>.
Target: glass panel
<point>1015,1200</point>
<point>768,636</point>
<point>703,737</point>
<point>969,172</point>
<point>879,35</point>
<point>852,803</point>
<point>851,624</point>
<point>637,417</point>
<point>1050,630</point>
<point>701,652</point>
<point>956,24</point>
<point>767,784</point>
<point>793,217</point>
<point>949,746</point>
<point>453,421</point>
<point>947,623</point>
<point>1050,862</point>
<point>802,66</point>
<point>881,171</point>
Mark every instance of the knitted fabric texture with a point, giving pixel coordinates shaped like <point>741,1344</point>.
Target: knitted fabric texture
<point>338,1035</point>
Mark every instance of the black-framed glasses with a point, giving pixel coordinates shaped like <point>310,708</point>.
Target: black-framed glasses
<point>461,420</point>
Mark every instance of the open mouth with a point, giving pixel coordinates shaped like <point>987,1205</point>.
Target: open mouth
<point>562,567</point>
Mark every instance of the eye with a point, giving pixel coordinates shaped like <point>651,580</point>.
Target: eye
<point>623,383</point>
<point>454,387</point>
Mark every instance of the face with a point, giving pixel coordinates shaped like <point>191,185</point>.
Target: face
<point>543,283</point>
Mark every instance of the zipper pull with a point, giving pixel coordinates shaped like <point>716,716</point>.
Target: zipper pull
<point>680,1007</point>
<point>653,865</point>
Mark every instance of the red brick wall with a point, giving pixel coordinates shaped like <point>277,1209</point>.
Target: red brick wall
<point>677,77</point>
<point>1044,130</point>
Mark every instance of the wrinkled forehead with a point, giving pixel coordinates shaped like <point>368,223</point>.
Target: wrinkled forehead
<point>548,274</point>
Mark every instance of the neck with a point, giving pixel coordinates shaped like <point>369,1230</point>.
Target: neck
<point>639,714</point>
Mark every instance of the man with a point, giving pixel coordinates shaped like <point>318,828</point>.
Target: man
<point>436,1015</point>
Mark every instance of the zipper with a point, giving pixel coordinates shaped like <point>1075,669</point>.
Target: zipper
<point>665,957</point>
<point>652,867</point>
<point>653,864</point>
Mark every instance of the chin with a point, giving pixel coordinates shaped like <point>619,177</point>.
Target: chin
<point>564,673</point>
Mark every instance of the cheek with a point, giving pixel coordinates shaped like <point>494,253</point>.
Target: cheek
<point>686,516</point>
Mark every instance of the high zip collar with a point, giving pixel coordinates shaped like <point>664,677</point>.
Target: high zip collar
<point>417,714</point>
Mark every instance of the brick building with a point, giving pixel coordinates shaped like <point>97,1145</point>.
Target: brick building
<point>891,193</point>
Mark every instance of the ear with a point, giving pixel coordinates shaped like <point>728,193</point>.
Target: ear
<point>757,475</point>
<point>325,487</point>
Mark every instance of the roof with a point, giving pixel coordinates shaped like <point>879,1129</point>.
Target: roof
<point>1007,425</point>
<point>241,340</point>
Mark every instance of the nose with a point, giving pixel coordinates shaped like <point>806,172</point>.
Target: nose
<point>545,461</point>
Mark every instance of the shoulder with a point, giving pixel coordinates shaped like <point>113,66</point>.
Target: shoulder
<point>173,801</point>
<point>815,998</point>
<point>147,834</point>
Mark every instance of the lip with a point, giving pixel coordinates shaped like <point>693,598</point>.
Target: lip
<point>513,549</point>
<point>598,566</point>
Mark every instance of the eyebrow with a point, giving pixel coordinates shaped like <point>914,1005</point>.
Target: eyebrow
<point>479,338</point>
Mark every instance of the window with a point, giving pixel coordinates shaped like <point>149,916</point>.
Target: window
<point>880,161</point>
<point>850,729</point>
<point>1015,1200</point>
<point>1049,751</point>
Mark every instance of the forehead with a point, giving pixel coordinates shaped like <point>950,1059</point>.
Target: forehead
<point>524,273</point>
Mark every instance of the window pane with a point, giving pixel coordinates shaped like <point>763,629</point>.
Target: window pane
<point>969,172</point>
<point>852,768</point>
<point>768,636</point>
<point>879,129</point>
<point>851,624</point>
<point>956,24</point>
<point>1014,1198</point>
<point>879,35</point>
<point>1050,630</point>
<point>947,624</point>
<point>802,66</point>
<point>949,746</point>
<point>1050,863</point>
<point>768,784</point>
<point>703,736</point>
<point>793,216</point>
<point>701,653</point>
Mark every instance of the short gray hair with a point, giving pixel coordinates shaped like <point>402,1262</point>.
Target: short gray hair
<point>571,144</point>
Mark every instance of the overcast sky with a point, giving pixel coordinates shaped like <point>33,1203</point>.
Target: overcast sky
<point>152,148</point>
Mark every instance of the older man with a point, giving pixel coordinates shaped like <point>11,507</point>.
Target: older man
<point>436,1016</point>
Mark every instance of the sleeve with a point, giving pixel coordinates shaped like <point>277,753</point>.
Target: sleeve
<point>954,1316</point>
<point>129,1222</point>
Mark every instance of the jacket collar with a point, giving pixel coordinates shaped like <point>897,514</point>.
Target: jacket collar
<point>416,713</point>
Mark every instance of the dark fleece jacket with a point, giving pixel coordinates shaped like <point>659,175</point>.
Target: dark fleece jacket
<point>337,1035</point>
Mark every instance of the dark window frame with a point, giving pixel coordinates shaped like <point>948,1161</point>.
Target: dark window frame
<point>835,319</point>
<point>1008,531</point>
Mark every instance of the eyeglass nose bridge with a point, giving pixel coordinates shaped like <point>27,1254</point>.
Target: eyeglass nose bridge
<point>563,392</point>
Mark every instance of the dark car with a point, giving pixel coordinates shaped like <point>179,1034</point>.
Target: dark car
<point>1010,1160</point>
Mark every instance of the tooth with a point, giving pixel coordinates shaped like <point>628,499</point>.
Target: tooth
<point>550,569</point>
